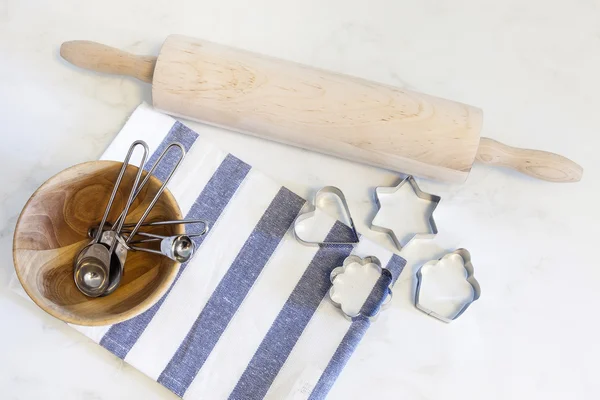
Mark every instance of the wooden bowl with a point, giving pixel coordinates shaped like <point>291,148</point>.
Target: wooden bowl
<point>53,226</point>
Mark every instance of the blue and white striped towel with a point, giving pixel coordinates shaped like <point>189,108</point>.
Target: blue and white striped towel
<point>247,317</point>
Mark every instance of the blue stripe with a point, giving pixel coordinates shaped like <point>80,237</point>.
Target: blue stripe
<point>231,291</point>
<point>209,205</point>
<point>293,318</point>
<point>357,329</point>
<point>178,133</point>
<point>395,266</point>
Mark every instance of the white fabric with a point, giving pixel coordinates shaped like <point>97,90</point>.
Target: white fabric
<point>231,355</point>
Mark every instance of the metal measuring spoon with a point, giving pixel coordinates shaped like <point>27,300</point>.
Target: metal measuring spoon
<point>127,228</point>
<point>117,260</point>
<point>93,264</point>
<point>121,219</point>
<point>118,246</point>
<point>179,248</point>
<point>118,250</point>
<point>91,271</point>
<point>176,247</point>
<point>158,193</point>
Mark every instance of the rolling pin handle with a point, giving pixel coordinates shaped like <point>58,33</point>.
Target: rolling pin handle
<point>100,58</point>
<point>536,163</point>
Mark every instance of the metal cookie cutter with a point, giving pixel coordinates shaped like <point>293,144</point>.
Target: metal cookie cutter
<point>311,212</point>
<point>434,199</point>
<point>371,307</point>
<point>470,278</point>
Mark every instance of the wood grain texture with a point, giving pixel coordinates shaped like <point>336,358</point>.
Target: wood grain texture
<point>52,228</point>
<point>317,110</point>
<point>98,57</point>
<point>536,163</point>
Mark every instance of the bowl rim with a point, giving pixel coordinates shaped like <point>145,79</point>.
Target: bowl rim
<point>143,306</point>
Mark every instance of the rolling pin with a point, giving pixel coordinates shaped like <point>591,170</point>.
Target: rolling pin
<point>327,112</point>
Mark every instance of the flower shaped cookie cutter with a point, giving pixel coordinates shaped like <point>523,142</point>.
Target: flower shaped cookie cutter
<point>469,278</point>
<point>353,239</point>
<point>379,296</point>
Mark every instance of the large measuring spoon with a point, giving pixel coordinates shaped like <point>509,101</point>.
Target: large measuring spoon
<point>119,244</point>
<point>93,264</point>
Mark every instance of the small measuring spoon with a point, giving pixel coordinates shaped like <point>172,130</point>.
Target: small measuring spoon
<point>179,248</point>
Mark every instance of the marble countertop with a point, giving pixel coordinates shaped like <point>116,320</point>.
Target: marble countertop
<point>531,66</point>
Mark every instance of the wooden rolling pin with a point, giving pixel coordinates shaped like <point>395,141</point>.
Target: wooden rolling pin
<point>318,110</point>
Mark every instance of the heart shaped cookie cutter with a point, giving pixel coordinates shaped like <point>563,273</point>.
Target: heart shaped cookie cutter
<point>311,212</point>
<point>372,306</point>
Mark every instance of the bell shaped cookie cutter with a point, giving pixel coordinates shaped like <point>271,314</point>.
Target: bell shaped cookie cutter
<point>354,239</point>
<point>383,191</point>
<point>373,306</point>
<point>470,278</point>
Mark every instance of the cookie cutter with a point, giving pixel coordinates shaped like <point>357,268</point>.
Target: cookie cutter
<point>311,212</point>
<point>470,278</point>
<point>434,199</point>
<point>385,299</point>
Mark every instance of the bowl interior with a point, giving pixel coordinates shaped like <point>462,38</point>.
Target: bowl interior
<point>52,229</point>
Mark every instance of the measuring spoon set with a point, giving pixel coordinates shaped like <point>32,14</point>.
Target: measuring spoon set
<point>99,266</point>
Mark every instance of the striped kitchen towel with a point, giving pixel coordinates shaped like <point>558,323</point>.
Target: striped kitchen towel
<point>248,316</point>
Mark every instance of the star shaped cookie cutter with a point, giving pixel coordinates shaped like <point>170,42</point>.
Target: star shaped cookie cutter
<point>372,305</point>
<point>434,199</point>
<point>313,208</point>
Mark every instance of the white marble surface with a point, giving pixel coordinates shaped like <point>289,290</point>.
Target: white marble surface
<point>533,66</point>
